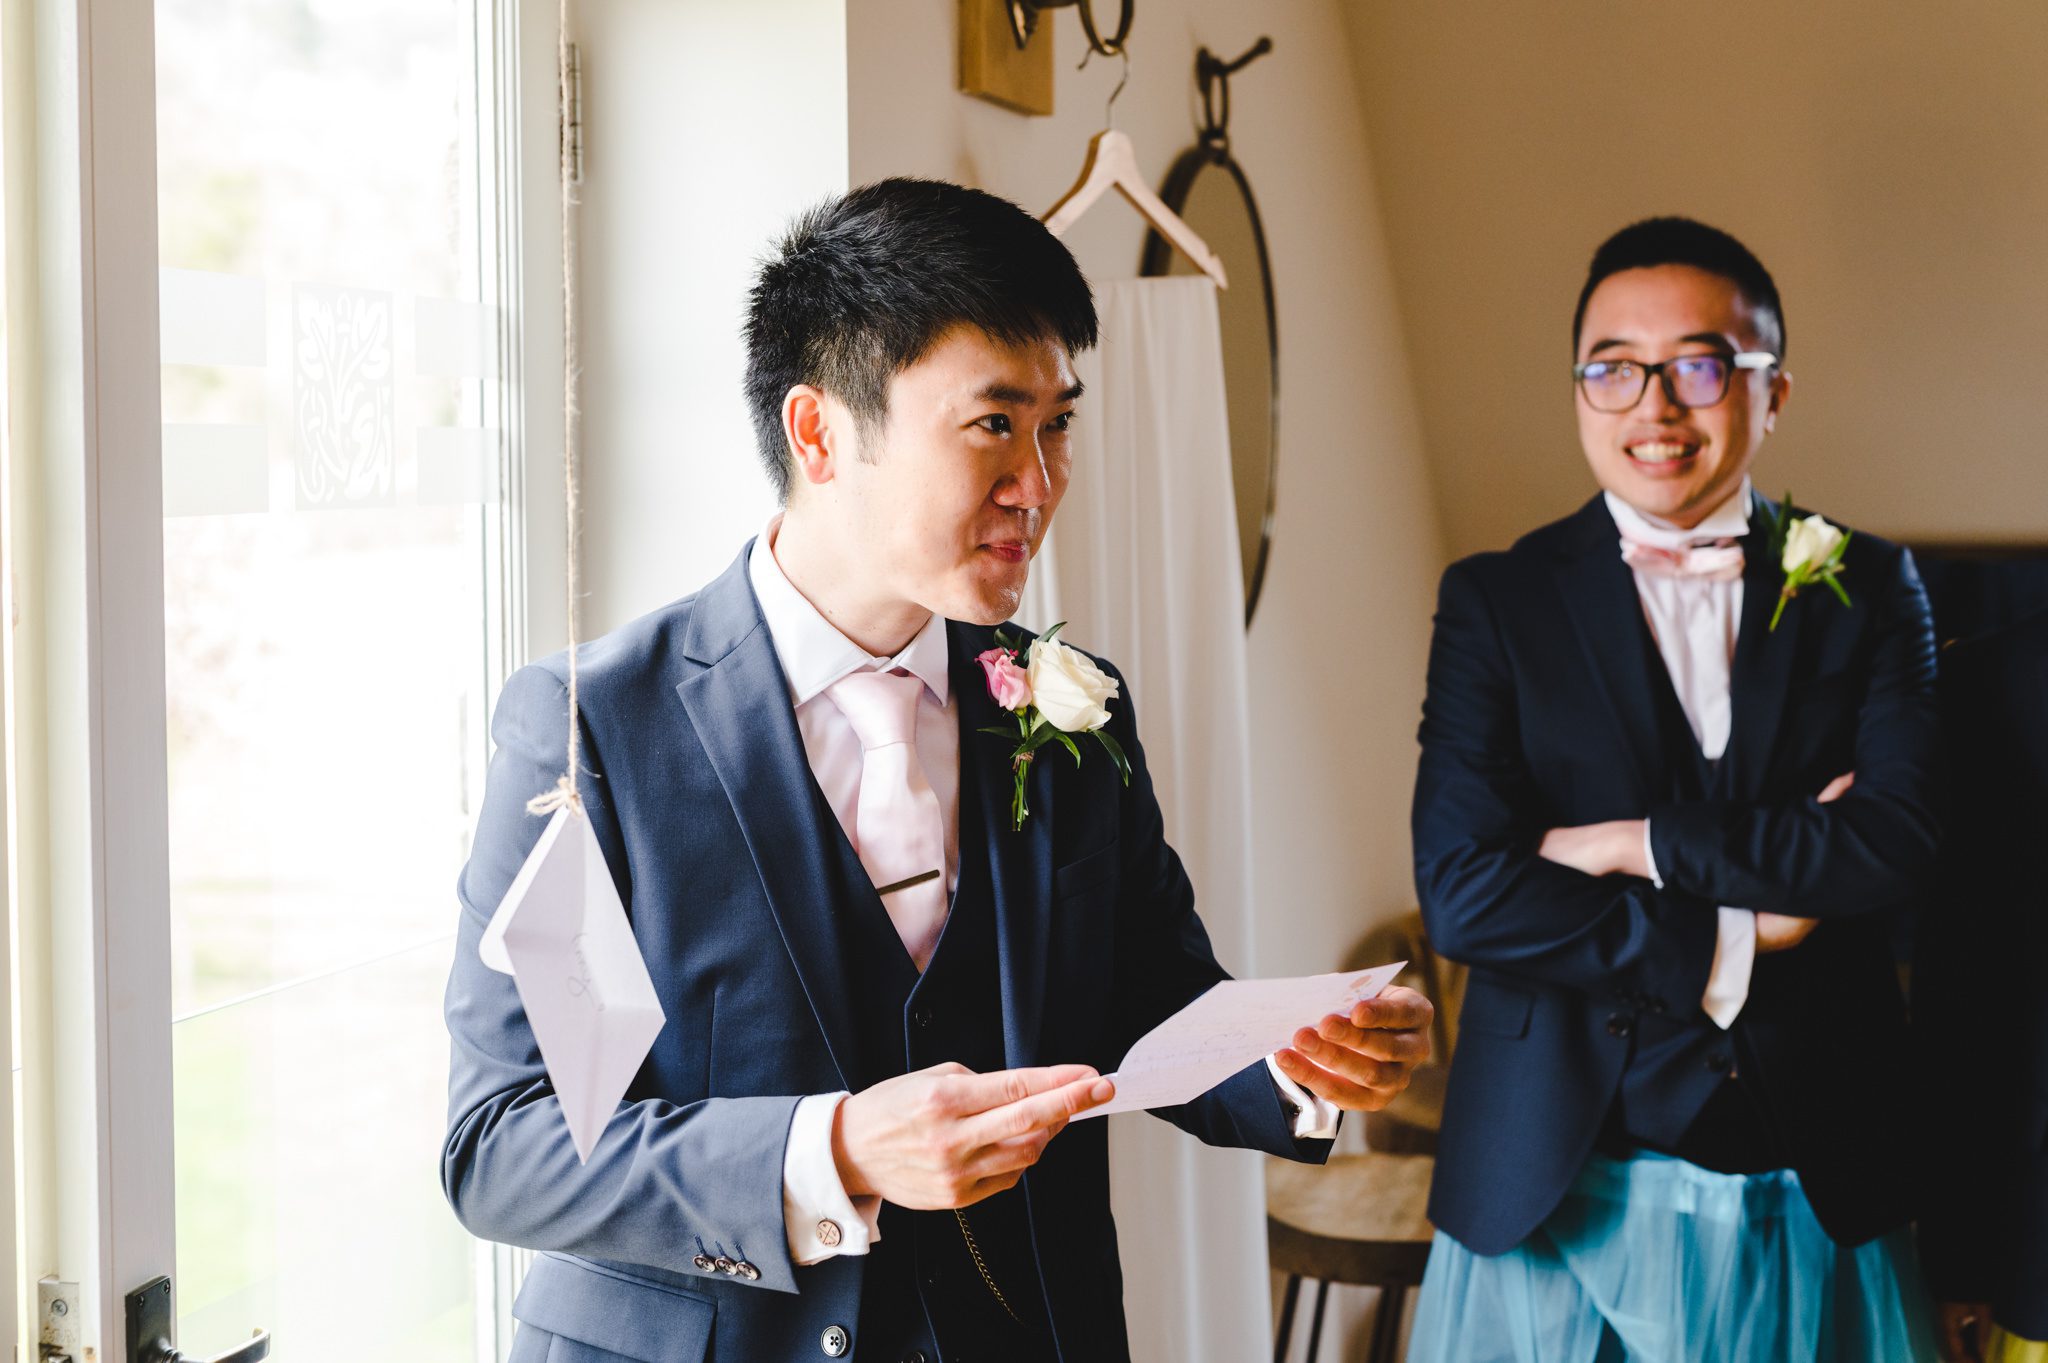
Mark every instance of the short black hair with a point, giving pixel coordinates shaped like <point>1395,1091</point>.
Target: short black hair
<point>1682,241</point>
<point>861,286</point>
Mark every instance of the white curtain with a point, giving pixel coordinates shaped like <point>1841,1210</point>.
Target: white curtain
<point>1143,563</point>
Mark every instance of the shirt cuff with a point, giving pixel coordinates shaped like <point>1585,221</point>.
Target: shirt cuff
<point>1314,1118</point>
<point>818,1218</point>
<point>1734,960</point>
<point>1650,857</point>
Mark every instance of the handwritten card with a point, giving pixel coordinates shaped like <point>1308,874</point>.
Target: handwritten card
<point>1235,1024</point>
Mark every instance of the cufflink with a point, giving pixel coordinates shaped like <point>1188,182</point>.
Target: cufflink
<point>829,1234</point>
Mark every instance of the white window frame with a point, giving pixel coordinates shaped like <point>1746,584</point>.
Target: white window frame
<point>85,520</point>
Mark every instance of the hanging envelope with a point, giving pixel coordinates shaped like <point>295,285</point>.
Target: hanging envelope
<point>561,934</point>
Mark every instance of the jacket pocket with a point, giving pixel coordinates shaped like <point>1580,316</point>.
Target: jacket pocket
<point>1496,1009</point>
<point>614,1315</point>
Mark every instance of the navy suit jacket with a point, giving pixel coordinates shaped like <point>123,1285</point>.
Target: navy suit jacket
<point>1544,710</point>
<point>1978,998</point>
<point>700,793</point>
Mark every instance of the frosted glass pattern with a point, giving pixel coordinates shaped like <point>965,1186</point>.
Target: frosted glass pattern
<point>333,545</point>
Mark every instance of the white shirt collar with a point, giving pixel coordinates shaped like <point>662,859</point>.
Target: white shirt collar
<point>813,653</point>
<point>1729,520</point>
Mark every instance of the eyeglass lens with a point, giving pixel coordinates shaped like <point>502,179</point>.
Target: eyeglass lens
<point>1689,380</point>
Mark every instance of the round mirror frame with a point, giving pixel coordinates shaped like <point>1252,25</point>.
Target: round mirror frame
<point>1157,260</point>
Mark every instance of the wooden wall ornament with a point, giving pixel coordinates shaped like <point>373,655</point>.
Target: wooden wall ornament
<point>995,68</point>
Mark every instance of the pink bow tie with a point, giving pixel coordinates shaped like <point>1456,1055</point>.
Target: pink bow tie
<point>1710,560</point>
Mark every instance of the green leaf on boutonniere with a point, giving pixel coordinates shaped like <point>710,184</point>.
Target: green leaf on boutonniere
<point>1067,741</point>
<point>1047,637</point>
<point>1005,734</point>
<point>1115,751</point>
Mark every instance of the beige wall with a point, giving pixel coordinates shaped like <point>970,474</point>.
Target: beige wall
<point>1342,630</point>
<point>1889,162</point>
<point>707,125</point>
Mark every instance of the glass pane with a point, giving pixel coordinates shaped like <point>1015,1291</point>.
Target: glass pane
<point>332,528</point>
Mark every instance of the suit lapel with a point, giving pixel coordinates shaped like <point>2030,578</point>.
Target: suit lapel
<point>1761,674</point>
<point>1020,863</point>
<point>1600,597</point>
<point>739,705</point>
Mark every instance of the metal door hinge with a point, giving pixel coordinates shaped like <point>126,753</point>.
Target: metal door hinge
<point>571,114</point>
<point>58,1321</point>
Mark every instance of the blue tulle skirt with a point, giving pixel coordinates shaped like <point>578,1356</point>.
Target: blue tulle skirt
<point>1654,1260</point>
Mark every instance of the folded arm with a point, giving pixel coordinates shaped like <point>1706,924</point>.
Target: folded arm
<point>1489,897</point>
<point>1872,849</point>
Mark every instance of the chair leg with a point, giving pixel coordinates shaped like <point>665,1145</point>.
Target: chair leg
<point>1287,1303</point>
<point>1315,1320</point>
<point>1386,1325</point>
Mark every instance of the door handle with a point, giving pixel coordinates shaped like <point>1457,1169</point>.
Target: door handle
<point>149,1331</point>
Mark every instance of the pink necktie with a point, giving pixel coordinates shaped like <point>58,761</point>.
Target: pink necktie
<point>897,830</point>
<point>1712,560</point>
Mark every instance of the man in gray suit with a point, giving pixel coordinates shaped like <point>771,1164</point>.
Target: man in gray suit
<point>884,1001</point>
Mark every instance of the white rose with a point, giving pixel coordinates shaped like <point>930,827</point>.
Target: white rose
<point>1069,690</point>
<point>1809,542</point>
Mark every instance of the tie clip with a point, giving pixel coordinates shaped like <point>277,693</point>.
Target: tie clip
<point>918,879</point>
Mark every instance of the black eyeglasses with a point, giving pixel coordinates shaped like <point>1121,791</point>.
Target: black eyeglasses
<point>1689,380</point>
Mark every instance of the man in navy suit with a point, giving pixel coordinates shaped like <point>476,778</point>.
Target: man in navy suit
<point>1979,1004</point>
<point>883,1003</point>
<point>1666,837</point>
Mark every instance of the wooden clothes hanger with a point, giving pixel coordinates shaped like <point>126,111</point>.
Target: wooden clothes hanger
<point>1113,164</point>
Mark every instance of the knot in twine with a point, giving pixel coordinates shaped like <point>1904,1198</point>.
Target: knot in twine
<point>563,796</point>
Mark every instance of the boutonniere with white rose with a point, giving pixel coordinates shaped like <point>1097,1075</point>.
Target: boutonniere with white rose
<point>1810,550</point>
<point>1055,693</point>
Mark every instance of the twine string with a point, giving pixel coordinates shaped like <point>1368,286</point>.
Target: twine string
<point>564,794</point>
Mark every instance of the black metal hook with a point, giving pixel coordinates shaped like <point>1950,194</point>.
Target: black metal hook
<point>1024,22</point>
<point>1213,75</point>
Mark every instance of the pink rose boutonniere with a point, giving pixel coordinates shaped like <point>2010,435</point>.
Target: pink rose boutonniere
<point>1055,693</point>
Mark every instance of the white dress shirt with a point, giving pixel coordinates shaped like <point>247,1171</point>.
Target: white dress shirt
<point>819,1218</point>
<point>1695,622</point>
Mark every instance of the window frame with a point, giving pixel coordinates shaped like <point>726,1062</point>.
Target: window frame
<point>84,501</point>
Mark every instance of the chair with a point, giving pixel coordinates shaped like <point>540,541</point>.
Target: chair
<point>1360,1219</point>
<point>1363,1219</point>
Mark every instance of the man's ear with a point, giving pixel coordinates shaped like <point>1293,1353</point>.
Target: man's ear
<point>807,426</point>
<point>1781,391</point>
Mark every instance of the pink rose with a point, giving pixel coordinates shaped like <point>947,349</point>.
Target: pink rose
<point>1007,682</point>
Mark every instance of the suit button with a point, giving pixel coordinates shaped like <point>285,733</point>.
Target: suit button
<point>1619,1025</point>
<point>722,1264</point>
<point>915,1356</point>
<point>828,1234</point>
<point>704,1262</point>
<point>834,1341</point>
<point>922,1019</point>
<point>743,1269</point>
<point>1717,1063</point>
